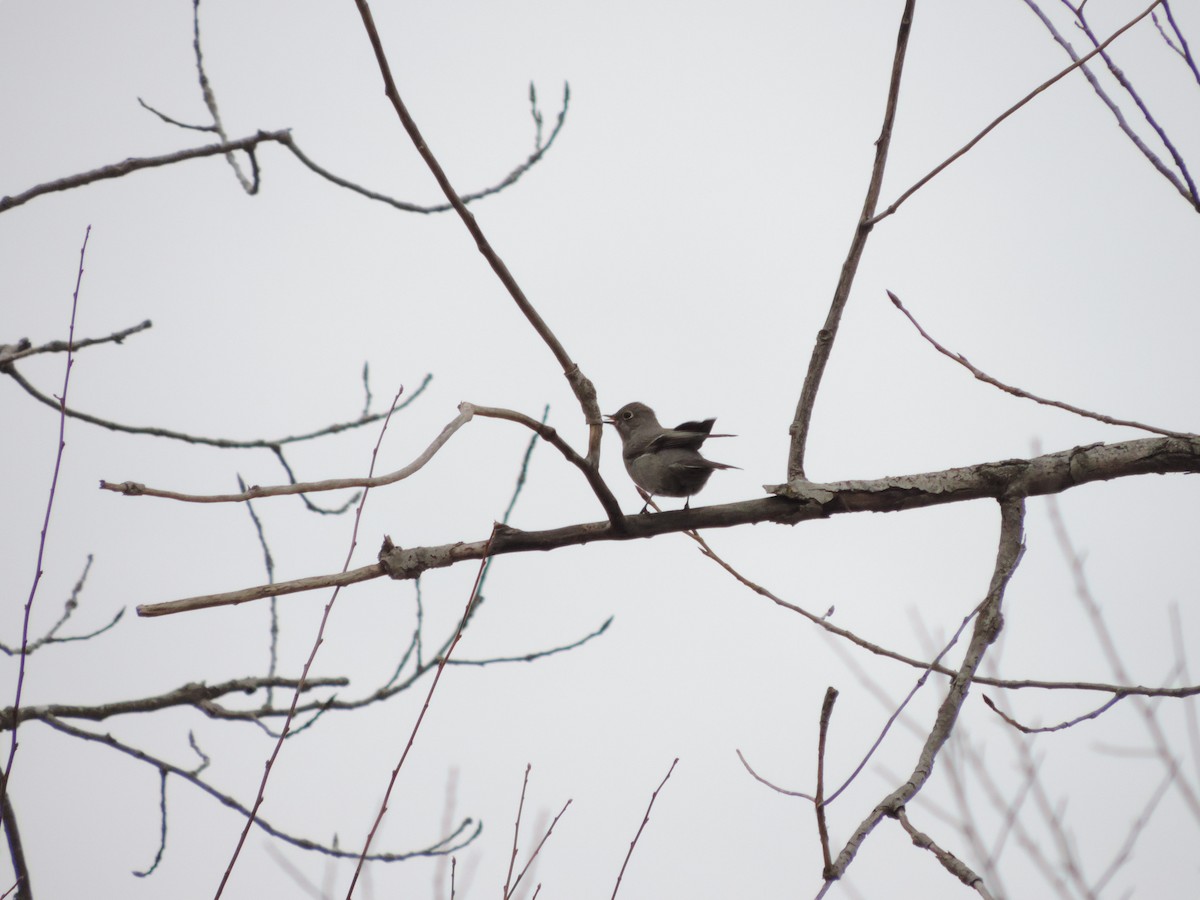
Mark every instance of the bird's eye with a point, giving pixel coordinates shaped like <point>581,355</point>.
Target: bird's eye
<point>627,415</point>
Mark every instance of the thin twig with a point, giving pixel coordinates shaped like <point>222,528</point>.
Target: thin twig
<point>317,641</point>
<point>441,667</point>
<point>962,151</point>
<point>1018,392</point>
<point>443,846</point>
<point>223,443</point>
<point>6,776</point>
<point>779,790</point>
<point>1184,185</point>
<point>540,150</point>
<point>134,489</point>
<point>1061,726</point>
<point>127,166</point>
<point>645,820</point>
<point>533,856</point>
<point>9,354</point>
<point>250,186</point>
<point>512,857</point>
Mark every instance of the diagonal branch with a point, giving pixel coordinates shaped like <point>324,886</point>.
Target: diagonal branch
<point>583,388</point>
<point>437,849</point>
<point>841,294</point>
<point>962,151</point>
<point>1018,392</point>
<point>125,167</point>
<point>1182,182</point>
<point>987,628</point>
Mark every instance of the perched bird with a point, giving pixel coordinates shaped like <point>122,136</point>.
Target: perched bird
<point>664,461</point>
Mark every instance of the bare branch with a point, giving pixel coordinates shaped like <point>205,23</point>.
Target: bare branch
<point>10,353</point>
<point>1061,726</point>
<point>472,601</point>
<point>772,785</point>
<point>1050,473</point>
<point>590,471</point>
<point>441,847</point>
<point>308,663</point>
<point>1182,182</point>
<point>962,151</point>
<point>510,886</point>
<point>223,443</point>
<point>133,489</point>
<point>583,388</point>
<point>128,166</point>
<point>535,655</point>
<point>6,775</point>
<point>510,179</point>
<point>1018,392</point>
<point>194,694</point>
<point>949,861</point>
<point>1182,48</point>
<point>841,294</point>
<point>645,821</point>
<point>987,628</point>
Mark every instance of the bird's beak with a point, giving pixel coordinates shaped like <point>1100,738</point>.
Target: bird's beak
<point>609,420</point>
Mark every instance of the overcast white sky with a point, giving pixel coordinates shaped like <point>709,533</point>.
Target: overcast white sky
<point>683,239</point>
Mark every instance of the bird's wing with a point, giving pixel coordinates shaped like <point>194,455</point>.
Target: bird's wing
<point>688,435</point>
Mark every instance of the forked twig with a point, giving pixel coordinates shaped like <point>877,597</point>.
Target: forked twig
<point>645,820</point>
<point>962,151</point>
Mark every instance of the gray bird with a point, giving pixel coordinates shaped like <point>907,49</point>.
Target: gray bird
<point>664,461</point>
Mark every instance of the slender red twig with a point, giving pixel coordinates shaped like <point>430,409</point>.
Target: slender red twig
<point>510,893</point>
<point>512,859</point>
<point>437,677</point>
<point>320,638</point>
<point>645,819</point>
<point>41,555</point>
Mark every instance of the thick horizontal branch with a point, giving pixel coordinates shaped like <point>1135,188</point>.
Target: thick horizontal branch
<point>797,501</point>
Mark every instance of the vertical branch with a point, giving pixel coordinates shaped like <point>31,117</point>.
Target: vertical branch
<point>583,388</point>
<point>841,294</point>
<point>37,576</point>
